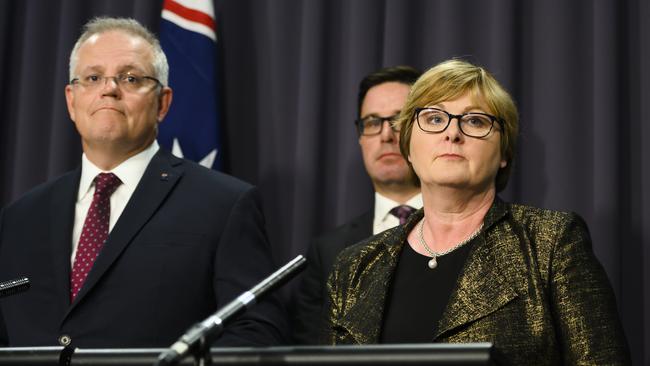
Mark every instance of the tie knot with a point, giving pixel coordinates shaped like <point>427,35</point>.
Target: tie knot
<point>106,183</point>
<point>402,212</point>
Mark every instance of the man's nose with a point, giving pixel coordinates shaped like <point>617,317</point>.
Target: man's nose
<point>111,86</point>
<point>388,134</point>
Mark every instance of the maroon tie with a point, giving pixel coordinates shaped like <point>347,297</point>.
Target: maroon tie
<point>95,230</point>
<point>402,212</point>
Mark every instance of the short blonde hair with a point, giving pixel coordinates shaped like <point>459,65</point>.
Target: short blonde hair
<point>452,79</point>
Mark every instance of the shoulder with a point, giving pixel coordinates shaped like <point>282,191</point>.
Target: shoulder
<point>190,190</point>
<point>543,221</point>
<point>372,251</point>
<point>201,175</point>
<point>359,221</point>
<point>207,185</point>
<point>536,214</point>
<point>44,192</point>
<point>547,233</point>
<point>544,227</point>
<point>349,233</point>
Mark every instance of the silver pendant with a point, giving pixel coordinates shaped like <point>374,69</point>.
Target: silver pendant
<point>433,263</point>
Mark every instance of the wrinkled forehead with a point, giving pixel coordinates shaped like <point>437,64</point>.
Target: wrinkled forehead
<point>114,51</point>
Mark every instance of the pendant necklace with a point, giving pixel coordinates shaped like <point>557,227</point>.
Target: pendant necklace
<point>433,263</point>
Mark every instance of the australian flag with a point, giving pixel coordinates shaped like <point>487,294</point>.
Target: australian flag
<point>188,37</point>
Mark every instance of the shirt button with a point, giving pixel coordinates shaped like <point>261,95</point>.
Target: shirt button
<point>65,340</point>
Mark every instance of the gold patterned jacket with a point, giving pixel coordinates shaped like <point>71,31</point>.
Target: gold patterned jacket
<point>531,285</point>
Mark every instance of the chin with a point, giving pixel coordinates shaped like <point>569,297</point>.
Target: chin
<point>446,181</point>
<point>402,178</point>
<point>103,137</point>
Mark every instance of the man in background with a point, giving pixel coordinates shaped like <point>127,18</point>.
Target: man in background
<point>397,193</point>
<point>136,245</point>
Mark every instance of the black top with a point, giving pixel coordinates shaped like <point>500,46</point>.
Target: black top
<point>418,295</point>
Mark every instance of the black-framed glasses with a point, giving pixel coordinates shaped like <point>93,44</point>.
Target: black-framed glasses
<point>127,82</point>
<point>373,125</point>
<point>471,124</point>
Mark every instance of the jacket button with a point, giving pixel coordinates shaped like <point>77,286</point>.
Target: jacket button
<point>65,340</point>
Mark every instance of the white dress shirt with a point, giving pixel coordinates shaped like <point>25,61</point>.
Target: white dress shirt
<point>130,172</point>
<point>383,220</point>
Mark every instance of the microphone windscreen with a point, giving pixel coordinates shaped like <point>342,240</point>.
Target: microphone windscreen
<point>12,287</point>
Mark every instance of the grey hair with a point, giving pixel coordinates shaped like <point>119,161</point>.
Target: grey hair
<point>129,26</point>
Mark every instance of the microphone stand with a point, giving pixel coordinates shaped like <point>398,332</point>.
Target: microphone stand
<point>197,338</point>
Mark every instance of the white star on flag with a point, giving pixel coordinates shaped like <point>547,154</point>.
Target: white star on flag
<point>206,161</point>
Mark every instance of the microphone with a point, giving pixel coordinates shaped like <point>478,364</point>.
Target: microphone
<point>214,324</point>
<point>13,287</point>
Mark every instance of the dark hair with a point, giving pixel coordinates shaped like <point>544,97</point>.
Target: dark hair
<point>401,74</point>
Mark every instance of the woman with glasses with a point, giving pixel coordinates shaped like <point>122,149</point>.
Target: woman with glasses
<point>470,267</point>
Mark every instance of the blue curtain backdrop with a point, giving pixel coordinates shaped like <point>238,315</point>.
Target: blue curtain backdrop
<point>289,72</point>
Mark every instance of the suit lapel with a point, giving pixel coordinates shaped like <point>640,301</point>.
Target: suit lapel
<point>360,228</point>
<point>62,211</point>
<point>485,282</point>
<point>158,181</point>
<point>364,318</point>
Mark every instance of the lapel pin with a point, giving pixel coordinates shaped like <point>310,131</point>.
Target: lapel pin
<point>164,176</point>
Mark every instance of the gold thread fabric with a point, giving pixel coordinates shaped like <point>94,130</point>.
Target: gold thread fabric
<point>531,286</point>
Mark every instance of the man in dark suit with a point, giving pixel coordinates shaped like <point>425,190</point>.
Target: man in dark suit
<point>381,97</point>
<point>136,245</point>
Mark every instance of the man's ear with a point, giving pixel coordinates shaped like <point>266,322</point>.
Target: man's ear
<point>69,101</point>
<point>164,102</point>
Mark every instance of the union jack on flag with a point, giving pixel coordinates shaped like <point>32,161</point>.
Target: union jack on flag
<point>188,37</point>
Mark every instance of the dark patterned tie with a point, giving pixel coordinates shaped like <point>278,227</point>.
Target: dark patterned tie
<point>95,230</point>
<point>402,212</point>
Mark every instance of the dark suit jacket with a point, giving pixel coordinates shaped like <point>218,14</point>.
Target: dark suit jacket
<point>189,241</point>
<point>531,285</point>
<point>308,312</point>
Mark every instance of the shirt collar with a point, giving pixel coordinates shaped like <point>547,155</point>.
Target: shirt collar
<point>129,171</point>
<point>383,204</point>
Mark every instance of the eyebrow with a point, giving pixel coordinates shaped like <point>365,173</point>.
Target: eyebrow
<point>375,115</point>
<point>120,70</point>
<point>95,68</point>
<point>469,109</point>
<point>127,68</point>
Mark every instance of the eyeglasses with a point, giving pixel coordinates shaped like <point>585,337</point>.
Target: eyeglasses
<point>472,124</point>
<point>127,82</point>
<point>373,125</point>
